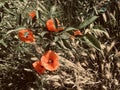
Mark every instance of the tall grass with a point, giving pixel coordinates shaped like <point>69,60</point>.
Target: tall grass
<point>88,62</point>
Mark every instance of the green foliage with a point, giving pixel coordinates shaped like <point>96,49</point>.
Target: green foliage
<point>91,40</point>
<point>3,43</point>
<point>69,29</point>
<point>95,19</point>
<point>87,22</point>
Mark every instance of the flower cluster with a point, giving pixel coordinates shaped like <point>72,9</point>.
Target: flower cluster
<point>49,60</point>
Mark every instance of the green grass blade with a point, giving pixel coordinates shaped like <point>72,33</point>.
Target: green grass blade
<point>87,22</point>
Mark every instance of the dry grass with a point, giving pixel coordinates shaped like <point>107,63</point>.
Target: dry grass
<point>82,67</point>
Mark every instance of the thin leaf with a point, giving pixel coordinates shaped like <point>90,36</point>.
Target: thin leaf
<point>92,41</point>
<point>87,22</point>
<point>3,43</point>
<point>52,10</point>
<point>17,29</point>
<point>69,29</point>
<point>55,22</point>
<point>61,44</point>
<point>66,44</point>
<point>38,14</point>
<point>65,36</point>
<point>42,34</point>
<point>42,8</point>
<point>56,39</point>
<point>19,19</point>
<point>26,34</point>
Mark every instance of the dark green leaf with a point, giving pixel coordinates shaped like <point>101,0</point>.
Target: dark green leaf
<point>91,40</point>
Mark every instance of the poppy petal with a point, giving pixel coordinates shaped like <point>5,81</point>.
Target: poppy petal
<point>51,25</point>
<point>77,32</point>
<point>38,67</point>
<point>32,14</point>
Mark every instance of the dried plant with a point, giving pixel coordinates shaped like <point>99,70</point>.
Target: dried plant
<point>59,45</point>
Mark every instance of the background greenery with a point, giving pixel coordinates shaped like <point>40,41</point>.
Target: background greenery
<point>89,62</point>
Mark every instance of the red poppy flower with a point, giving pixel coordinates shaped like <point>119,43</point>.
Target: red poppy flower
<point>50,60</point>
<point>26,35</point>
<point>77,32</point>
<point>51,25</point>
<point>32,14</point>
<point>38,67</point>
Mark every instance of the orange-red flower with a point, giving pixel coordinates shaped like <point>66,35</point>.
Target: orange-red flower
<point>51,25</point>
<point>38,67</point>
<point>26,35</point>
<point>32,14</point>
<point>77,32</point>
<point>50,60</point>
